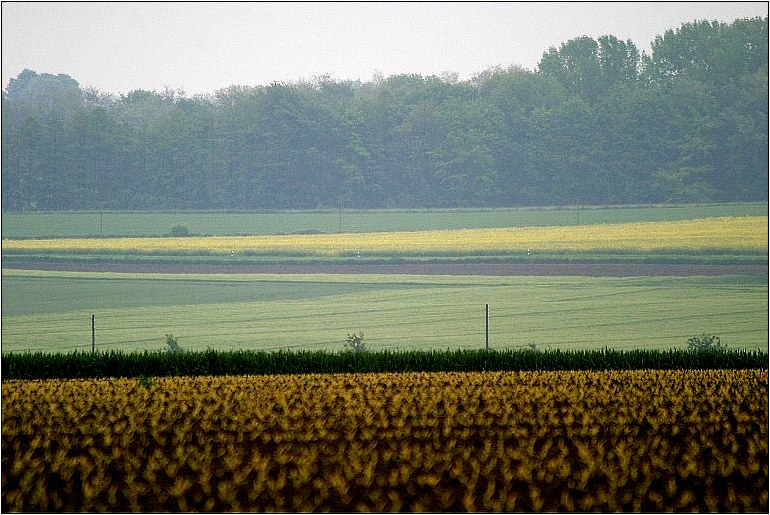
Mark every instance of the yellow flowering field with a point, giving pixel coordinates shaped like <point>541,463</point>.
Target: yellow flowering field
<point>736,233</point>
<point>649,441</point>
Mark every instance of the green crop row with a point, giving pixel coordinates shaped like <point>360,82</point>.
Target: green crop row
<point>81,365</point>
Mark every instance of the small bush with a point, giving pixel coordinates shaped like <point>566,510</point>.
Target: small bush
<point>172,343</point>
<point>355,342</point>
<point>180,231</point>
<point>705,342</point>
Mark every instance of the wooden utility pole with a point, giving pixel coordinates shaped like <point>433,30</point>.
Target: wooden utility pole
<point>487,324</point>
<point>93,333</point>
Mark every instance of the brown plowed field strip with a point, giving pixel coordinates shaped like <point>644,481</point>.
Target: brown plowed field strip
<point>577,269</point>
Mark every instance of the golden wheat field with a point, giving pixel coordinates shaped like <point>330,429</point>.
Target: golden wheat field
<point>746,233</point>
<point>514,441</point>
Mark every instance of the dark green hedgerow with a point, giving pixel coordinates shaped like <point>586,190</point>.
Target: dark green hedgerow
<point>80,365</point>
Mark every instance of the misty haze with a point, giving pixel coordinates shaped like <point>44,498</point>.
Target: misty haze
<point>524,291</point>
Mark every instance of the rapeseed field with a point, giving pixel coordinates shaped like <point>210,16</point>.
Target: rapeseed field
<point>736,233</point>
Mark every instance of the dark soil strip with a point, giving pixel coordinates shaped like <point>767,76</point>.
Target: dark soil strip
<point>578,269</point>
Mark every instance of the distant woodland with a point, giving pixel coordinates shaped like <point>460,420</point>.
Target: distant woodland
<point>596,123</point>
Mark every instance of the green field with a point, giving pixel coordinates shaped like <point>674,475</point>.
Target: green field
<point>131,223</point>
<point>51,311</point>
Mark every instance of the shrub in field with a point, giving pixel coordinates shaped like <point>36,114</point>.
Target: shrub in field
<point>179,231</point>
<point>355,342</point>
<point>705,342</point>
<point>172,343</point>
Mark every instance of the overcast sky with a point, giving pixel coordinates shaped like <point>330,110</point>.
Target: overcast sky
<point>202,47</point>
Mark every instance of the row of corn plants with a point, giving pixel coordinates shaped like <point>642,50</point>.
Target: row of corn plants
<point>613,441</point>
<point>80,365</point>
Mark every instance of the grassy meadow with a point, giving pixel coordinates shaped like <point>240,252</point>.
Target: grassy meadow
<point>51,311</point>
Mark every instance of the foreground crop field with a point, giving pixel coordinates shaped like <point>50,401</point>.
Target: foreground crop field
<point>527,441</point>
<point>723,234</point>
<point>51,311</point>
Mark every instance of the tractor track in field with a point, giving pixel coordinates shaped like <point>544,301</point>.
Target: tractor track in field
<point>488,269</point>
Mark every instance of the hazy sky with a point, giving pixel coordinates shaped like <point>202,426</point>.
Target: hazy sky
<point>202,47</point>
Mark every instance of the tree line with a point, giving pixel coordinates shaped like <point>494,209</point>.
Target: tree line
<point>596,123</point>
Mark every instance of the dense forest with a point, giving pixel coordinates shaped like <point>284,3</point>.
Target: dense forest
<point>596,123</point>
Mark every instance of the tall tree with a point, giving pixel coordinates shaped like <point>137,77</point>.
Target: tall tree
<point>712,53</point>
<point>100,176</point>
<point>575,64</point>
<point>518,97</point>
<point>591,68</point>
<point>728,65</point>
<point>56,96</point>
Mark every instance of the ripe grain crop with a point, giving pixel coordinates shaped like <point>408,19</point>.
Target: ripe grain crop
<point>742,233</point>
<point>526,441</point>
